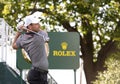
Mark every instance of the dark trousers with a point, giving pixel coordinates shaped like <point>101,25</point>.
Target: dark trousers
<point>37,77</point>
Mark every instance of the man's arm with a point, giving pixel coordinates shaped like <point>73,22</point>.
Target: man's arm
<point>15,39</point>
<point>20,29</point>
<point>47,48</point>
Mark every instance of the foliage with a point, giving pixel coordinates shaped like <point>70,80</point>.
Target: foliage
<point>56,11</point>
<point>112,74</point>
<point>101,15</point>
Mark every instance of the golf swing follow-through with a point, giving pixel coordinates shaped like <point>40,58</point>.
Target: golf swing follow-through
<point>35,42</point>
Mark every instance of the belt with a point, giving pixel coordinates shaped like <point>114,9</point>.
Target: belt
<point>38,69</point>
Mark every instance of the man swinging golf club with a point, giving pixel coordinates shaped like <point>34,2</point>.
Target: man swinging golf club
<point>34,42</point>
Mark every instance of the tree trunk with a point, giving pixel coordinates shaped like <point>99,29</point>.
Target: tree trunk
<point>90,67</point>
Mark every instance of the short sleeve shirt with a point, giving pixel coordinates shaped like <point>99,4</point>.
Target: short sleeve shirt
<point>34,46</point>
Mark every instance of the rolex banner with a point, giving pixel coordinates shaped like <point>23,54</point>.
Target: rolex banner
<point>63,54</point>
<point>64,50</point>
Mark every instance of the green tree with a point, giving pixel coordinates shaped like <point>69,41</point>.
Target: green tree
<point>97,22</point>
<point>112,74</point>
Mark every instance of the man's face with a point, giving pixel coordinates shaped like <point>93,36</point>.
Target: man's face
<point>35,27</point>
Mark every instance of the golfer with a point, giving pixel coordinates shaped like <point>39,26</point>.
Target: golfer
<point>33,42</point>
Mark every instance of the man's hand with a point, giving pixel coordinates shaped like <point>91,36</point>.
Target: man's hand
<point>20,27</point>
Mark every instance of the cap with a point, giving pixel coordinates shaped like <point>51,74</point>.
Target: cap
<point>30,19</point>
